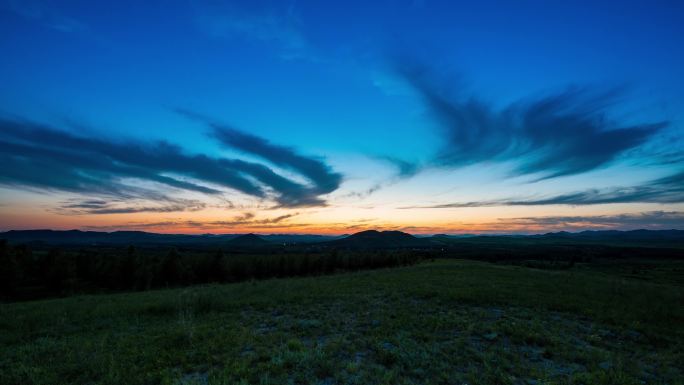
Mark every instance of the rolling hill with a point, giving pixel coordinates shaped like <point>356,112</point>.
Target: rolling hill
<point>248,240</point>
<point>373,239</point>
<point>101,238</point>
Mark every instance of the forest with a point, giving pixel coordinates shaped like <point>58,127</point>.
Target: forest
<point>31,273</point>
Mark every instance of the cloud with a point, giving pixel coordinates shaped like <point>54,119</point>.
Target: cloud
<point>43,158</point>
<point>405,169</point>
<point>365,193</point>
<point>248,219</point>
<point>243,221</point>
<point>256,21</point>
<point>669,189</point>
<point>654,220</point>
<point>324,180</point>
<point>167,205</point>
<point>44,13</point>
<point>86,204</point>
<point>560,134</point>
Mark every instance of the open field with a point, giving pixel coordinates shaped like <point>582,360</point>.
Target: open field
<point>442,322</point>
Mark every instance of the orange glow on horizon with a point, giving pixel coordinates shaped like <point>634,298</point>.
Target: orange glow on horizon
<point>330,220</point>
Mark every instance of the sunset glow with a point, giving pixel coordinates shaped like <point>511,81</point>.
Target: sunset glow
<point>426,117</point>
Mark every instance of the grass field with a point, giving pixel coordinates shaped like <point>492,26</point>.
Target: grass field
<point>442,322</point>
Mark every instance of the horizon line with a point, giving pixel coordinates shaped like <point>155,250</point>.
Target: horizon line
<point>352,232</point>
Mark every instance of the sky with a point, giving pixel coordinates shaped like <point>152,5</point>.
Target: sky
<point>335,117</point>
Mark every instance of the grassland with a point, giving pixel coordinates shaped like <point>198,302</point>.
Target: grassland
<point>442,322</point>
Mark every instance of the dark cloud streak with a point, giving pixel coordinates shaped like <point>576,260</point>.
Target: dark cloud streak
<point>647,220</point>
<point>166,205</point>
<point>324,180</point>
<point>41,157</point>
<point>405,169</point>
<point>561,134</point>
<point>668,189</point>
<point>245,220</point>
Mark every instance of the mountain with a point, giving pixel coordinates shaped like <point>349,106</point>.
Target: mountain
<point>373,239</point>
<point>453,236</point>
<point>365,239</point>
<point>298,238</point>
<point>248,240</point>
<point>648,237</point>
<point>78,237</point>
<point>631,238</point>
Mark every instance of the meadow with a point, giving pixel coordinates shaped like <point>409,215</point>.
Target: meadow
<point>436,322</point>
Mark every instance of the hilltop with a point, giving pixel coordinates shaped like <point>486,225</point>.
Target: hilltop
<point>248,240</point>
<point>364,240</point>
<point>78,237</point>
<point>373,239</point>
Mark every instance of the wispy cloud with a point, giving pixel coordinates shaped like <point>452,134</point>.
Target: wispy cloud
<point>264,22</point>
<point>560,134</point>
<point>367,192</point>
<point>323,179</point>
<point>119,206</point>
<point>247,220</point>
<point>42,157</point>
<point>654,220</point>
<point>404,170</point>
<point>669,189</point>
<point>44,13</point>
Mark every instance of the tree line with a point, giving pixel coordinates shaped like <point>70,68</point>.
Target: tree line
<point>28,274</point>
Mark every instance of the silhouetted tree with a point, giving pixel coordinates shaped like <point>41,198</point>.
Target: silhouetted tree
<point>59,271</point>
<point>27,266</point>
<point>145,273</point>
<point>9,270</point>
<point>171,271</point>
<point>85,266</point>
<point>126,269</point>
<point>217,270</point>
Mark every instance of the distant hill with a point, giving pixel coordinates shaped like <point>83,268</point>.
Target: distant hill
<point>638,238</point>
<point>631,235</point>
<point>373,239</point>
<point>366,239</point>
<point>299,238</point>
<point>58,237</point>
<point>248,240</point>
<point>453,236</point>
<point>78,237</point>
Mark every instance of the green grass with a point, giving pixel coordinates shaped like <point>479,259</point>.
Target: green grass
<point>446,322</point>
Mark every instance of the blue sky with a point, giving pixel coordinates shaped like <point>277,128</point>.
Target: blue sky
<point>419,115</point>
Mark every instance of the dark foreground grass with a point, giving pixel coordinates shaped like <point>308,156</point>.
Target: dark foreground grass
<point>447,322</point>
